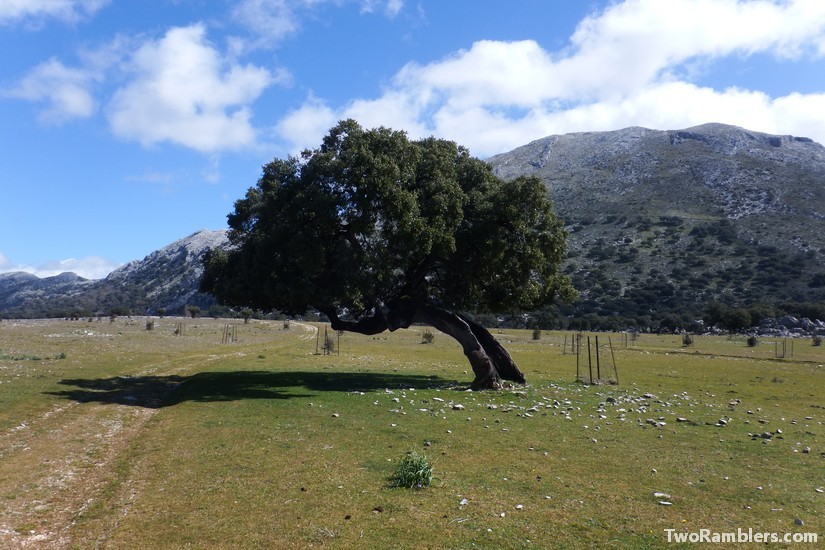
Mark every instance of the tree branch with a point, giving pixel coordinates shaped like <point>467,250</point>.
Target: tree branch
<point>374,324</point>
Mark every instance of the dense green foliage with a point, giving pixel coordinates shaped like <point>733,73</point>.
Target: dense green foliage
<point>372,217</point>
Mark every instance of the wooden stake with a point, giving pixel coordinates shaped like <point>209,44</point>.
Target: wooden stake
<point>578,352</point>
<point>613,356</point>
<point>589,360</point>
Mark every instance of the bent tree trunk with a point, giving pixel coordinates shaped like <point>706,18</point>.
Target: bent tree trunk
<point>491,363</point>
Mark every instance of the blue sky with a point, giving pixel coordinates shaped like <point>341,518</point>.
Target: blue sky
<point>129,124</point>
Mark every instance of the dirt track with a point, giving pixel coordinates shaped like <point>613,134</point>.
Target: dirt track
<point>57,464</point>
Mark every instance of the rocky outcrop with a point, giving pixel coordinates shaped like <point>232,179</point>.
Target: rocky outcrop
<point>170,277</point>
<point>791,327</point>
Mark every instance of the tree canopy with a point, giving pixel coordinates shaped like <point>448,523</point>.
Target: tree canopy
<point>378,231</point>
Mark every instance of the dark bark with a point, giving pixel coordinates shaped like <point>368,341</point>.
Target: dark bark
<point>506,367</point>
<point>486,375</point>
<point>374,324</point>
<point>491,363</point>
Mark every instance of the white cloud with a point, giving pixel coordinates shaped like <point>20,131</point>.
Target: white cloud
<point>184,91</point>
<point>630,64</point>
<point>304,127</point>
<point>66,91</point>
<point>65,10</point>
<point>90,267</point>
<point>271,21</point>
<point>394,110</point>
<point>390,8</point>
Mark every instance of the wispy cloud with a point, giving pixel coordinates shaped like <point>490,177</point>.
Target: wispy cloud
<point>35,11</point>
<point>65,91</point>
<point>269,22</point>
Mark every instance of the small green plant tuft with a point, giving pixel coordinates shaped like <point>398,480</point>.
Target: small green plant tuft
<point>536,333</point>
<point>817,340</point>
<point>687,340</point>
<point>427,337</point>
<point>753,341</point>
<point>414,472</point>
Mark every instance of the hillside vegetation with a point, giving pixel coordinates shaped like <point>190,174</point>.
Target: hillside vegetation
<point>662,224</point>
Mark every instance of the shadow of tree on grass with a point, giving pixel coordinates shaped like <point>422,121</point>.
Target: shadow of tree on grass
<point>163,391</point>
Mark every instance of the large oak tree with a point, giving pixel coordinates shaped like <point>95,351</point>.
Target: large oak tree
<point>379,232</point>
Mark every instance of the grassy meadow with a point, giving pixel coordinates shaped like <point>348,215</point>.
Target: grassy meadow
<point>114,436</point>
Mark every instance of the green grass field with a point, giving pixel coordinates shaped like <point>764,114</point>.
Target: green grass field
<point>113,436</point>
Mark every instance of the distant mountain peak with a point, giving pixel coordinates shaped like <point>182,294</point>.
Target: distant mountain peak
<point>715,211</point>
<point>167,278</point>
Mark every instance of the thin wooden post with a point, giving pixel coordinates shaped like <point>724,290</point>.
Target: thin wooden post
<point>589,360</point>
<point>578,352</point>
<point>317,337</point>
<point>564,347</point>
<point>598,363</point>
<point>613,356</point>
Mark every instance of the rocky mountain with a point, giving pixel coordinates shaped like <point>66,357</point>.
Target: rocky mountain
<point>666,222</point>
<point>20,287</point>
<point>167,278</point>
<point>665,227</point>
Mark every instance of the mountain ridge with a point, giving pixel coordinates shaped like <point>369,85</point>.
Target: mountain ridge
<point>165,279</point>
<point>662,225</point>
<point>709,213</point>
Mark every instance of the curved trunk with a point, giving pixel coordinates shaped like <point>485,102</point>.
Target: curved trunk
<point>491,363</point>
<point>506,367</point>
